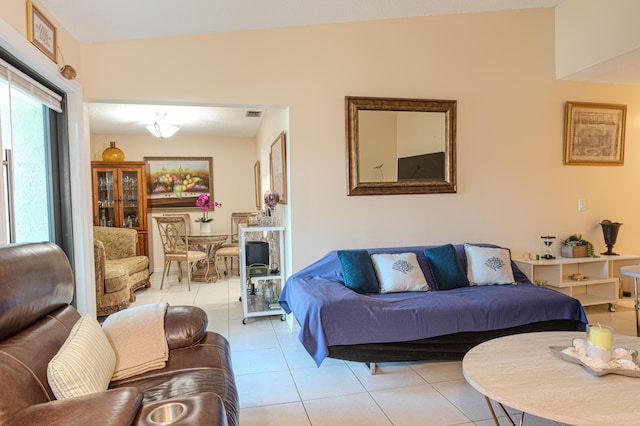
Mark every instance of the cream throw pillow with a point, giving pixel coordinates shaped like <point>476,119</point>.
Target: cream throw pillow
<point>399,272</point>
<point>488,265</point>
<point>85,362</point>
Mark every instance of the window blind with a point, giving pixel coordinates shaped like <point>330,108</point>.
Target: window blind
<point>29,86</point>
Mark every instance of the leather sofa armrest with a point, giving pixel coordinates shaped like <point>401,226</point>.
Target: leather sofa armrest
<point>184,326</point>
<point>202,409</point>
<point>114,407</point>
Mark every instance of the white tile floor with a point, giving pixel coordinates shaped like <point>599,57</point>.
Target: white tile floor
<point>278,382</point>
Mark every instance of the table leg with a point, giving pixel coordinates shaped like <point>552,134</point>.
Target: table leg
<point>493,413</point>
<point>507,415</point>
<point>635,292</point>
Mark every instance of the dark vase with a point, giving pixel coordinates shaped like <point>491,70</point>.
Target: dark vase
<point>610,231</point>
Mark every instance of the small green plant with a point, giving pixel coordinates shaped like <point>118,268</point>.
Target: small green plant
<point>576,240</point>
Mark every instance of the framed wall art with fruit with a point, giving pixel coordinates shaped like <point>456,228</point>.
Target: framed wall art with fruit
<point>175,183</point>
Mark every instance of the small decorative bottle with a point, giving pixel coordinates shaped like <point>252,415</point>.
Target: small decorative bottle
<point>103,219</point>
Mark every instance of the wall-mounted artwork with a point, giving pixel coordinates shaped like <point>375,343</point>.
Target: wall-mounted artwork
<point>257,185</point>
<point>175,183</point>
<point>41,32</point>
<point>278,158</point>
<point>594,133</point>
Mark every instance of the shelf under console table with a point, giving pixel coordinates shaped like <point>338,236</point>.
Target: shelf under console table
<point>602,277</point>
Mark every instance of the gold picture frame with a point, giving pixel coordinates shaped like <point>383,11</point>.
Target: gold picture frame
<point>257,185</point>
<point>193,174</point>
<point>594,134</point>
<point>41,32</point>
<point>278,169</point>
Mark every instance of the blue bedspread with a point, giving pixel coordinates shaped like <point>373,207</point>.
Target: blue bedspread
<point>331,314</point>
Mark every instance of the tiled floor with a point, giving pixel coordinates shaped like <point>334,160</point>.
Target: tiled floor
<point>279,384</point>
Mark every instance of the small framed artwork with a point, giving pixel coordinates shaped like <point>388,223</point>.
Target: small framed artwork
<point>278,158</point>
<point>257,185</point>
<point>41,32</point>
<point>594,133</point>
<point>175,183</point>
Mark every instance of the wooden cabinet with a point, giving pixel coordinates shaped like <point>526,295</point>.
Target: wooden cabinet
<point>120,198</point>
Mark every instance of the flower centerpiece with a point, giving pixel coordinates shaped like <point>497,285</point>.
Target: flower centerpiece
<point>205,205</point>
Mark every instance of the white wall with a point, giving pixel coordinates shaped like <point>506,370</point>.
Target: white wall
<point>592,32</point>
<point>273,123</point>
<point>500,67</point>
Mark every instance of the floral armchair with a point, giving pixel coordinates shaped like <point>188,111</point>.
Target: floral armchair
<point>118,270</point>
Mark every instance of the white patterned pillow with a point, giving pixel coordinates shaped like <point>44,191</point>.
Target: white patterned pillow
<point>85,362</point>
<point>399,272</point>
<point>488,265</point>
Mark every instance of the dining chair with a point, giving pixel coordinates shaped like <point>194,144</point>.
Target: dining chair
<point>187,218</point>
<point>175,244</point>
<point>231,251</point>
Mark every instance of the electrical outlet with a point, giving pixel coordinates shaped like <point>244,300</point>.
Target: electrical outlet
<point>582,205</point>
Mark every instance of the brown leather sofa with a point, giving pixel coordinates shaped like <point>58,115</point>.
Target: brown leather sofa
<point>35,319</point>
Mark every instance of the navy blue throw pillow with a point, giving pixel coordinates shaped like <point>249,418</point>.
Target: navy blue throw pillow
<point>446,267</point>
<point>358,271</point>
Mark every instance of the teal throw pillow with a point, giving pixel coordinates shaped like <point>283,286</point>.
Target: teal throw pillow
<point>446,267</point>
<point>358,271</point>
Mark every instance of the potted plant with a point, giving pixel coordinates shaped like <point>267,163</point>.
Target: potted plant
<point>576,246</point>
<point>205,204</point>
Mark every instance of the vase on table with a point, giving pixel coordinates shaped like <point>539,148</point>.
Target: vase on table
<point>113,153</point>
<point>205,228</point>
<point>610,231</point>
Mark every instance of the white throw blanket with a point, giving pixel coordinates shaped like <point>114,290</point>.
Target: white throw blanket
<point>138,339</point>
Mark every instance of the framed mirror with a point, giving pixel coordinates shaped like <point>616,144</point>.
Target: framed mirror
<point>400,146</point>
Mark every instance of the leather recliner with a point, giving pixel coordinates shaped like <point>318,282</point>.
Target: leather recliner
<point>35,320</point>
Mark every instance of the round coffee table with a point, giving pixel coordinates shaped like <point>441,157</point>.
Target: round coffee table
<point>519,371</point>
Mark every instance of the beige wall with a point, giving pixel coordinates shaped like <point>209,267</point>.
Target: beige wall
<point>512,185</point>
<point>14,13</point>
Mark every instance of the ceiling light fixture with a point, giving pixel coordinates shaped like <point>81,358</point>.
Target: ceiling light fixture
<point>161,130</point>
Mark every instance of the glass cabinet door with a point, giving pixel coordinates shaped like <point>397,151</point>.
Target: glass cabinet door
<point>130,183</point>
<point>106,198</point>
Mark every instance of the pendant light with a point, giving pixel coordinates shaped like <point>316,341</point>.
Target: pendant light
<point>161,130</point>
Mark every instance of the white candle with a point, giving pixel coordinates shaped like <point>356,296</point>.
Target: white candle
<point>599,342</point>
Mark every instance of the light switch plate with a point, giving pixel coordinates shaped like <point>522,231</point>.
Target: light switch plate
<point>582,204</point>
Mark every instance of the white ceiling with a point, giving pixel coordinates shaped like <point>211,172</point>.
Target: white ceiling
<point>99,20</point>
<point>92,21</point>
<point>132,119</point>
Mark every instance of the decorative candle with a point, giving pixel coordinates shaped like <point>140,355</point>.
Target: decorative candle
<point>599,342</point>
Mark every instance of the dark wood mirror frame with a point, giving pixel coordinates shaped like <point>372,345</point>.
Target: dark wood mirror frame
<point>353,105</point>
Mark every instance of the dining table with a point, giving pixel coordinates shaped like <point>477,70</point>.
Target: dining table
<point>208,243</point>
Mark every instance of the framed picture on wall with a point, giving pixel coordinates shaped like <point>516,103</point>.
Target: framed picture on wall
<point>41,32</point>
<point>175,183</point>
<point>594,133</point>
<point>278,173</point>
<point>257,185</point>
